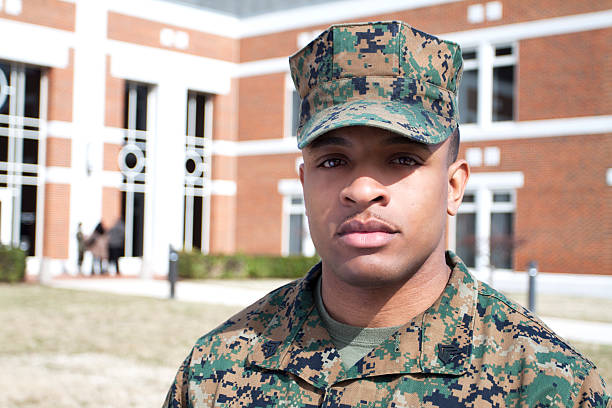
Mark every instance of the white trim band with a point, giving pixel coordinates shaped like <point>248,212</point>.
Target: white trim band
<point>60,129</point>
<point>470,38</point>
<point>533,29</point>
<point>254,147</point>
<point>290,187</point>
<point>308,16</point>
<point>58,175</point>
<point>501,180</point>
<point>35,44</point>
<point>223,187</point>
<point>469,133</point>
<point>587,125</point>
<point>262,67</point>
<point>154,65</point>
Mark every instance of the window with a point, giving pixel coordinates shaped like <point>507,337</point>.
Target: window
<point>20,101</point>
<point>297,221</point>
<point>486,92</point>
<point>132,163</point>
<point>468,89</point>
<point>295,232</point>
<point>292,108</point>
<point>197,172</point>
<point>501,241</point>
<point>484,229</point>
<point>466,231</point>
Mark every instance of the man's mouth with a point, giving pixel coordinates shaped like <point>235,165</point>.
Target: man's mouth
<point>370,233</point>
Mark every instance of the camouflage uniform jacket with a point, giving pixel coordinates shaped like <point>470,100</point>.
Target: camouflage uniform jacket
<point>471,348</point>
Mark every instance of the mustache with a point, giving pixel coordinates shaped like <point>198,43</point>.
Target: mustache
<point>363,216</point>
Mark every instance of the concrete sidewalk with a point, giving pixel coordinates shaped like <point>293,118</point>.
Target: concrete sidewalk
<point>231,293</point>
<point>244,292</point>
<point>599,286</point>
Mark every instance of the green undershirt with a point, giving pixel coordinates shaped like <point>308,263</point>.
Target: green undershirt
<point>352,342</point>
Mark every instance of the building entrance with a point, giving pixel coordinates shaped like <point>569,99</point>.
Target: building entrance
<point>20,101</point>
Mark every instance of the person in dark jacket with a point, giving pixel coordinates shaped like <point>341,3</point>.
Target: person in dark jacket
<point>116,239</point>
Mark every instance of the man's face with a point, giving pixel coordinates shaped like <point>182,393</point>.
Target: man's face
<point>376,203</point>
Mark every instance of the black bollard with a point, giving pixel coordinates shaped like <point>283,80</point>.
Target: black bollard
<point>533,272</point>
<point>172,270</point>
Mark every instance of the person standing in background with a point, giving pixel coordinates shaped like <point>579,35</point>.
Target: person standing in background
<point>80,247</point>
<point>97,244</point>
<point>116,237</point>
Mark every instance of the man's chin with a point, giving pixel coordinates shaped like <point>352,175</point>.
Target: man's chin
<point>371,271</point>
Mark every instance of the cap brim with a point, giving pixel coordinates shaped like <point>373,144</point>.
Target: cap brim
<point>410,121</point>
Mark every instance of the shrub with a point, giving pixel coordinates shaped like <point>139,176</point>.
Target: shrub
<point>195,265</point>
<point>12,264</point>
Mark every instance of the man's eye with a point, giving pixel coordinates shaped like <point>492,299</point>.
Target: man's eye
<point>405,161</point>
<point>329,163</point>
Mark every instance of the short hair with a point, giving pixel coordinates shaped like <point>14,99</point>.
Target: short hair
<point>453,149</point>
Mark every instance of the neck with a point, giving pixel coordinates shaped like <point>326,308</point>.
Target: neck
<point>386,306</point>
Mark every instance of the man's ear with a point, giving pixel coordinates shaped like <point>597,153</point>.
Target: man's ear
<point>301,173</point>
<point>458,174</point>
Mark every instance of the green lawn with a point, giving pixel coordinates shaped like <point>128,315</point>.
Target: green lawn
<point>65,348</point>
<point>88,349</point>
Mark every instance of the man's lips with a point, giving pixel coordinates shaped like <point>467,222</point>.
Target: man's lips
<point>371,233</point>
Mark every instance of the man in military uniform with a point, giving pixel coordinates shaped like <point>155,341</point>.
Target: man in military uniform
<point>387,318</point>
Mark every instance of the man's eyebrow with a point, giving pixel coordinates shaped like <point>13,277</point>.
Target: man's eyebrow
<point>330,141</point>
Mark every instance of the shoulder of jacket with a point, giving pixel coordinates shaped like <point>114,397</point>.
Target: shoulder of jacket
<point>509,316</point>
<point>250,322</point>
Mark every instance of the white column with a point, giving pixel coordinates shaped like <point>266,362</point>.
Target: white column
<point>165,176</point>
<point>88,118</point>
<point>484,201</point>
<point>486,55</point>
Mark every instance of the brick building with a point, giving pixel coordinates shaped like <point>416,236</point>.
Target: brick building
<point>178,117</point>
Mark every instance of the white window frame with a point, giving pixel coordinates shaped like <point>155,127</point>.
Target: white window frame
<point>289,189</point>
<point>129,186</point>
<point>484,63</point>
<point>288,119</point>
<point>16,134</point>
<point>199,187</point>
<point>483,186</point>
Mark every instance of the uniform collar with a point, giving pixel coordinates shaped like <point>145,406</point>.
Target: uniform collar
<point>437,341</point>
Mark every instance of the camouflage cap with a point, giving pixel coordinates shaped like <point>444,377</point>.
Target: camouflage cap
<point>385,74</point>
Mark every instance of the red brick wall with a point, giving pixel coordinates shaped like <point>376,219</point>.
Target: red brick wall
<point>225,114</point>
<point>259,204</point>
<point>223,208</point>
<point>564,210</point>
<point>439,19</point>
<point>60,91</point>
<point>222,224</point>
<point>57,220</point>
<point>111,206</point>
<point>58,152</point>
<point>49,13</point>
<point>565,76</point>
<point>261,107</point>
<point>114,98</point>
<point>145,32</point>
<point>110,161</point>
<point>223,168</point>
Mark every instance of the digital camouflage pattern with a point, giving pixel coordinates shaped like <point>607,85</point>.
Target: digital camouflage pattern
<point>471,348</point>
<point>386,74</point>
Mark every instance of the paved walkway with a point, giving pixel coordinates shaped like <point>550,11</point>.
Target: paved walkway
<point>232,293</point>
<point>599,286</point>
<point>245,292</point>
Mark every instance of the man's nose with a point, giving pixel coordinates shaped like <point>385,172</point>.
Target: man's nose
<point>364,191</point>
